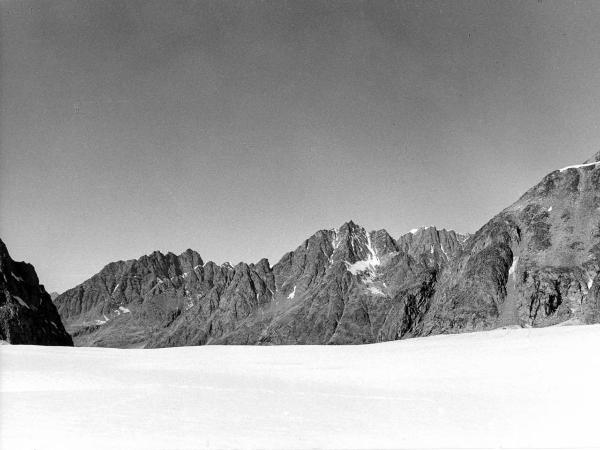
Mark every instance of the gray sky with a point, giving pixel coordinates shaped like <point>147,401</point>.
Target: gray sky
<point>240,128</point>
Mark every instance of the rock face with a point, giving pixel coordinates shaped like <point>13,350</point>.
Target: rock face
<point>27,314</point>
<point>340,286</point>
<point>534,264</point>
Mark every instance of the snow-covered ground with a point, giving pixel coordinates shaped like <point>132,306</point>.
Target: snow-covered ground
<point>515,388</point>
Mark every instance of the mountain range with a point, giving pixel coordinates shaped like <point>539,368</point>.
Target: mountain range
<point>536,263</point>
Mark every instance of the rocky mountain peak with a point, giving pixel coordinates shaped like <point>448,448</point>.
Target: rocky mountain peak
<point>562,192</point>
<point>382,242</point>
<point>352,243</point>
<point>595,158</point>
<point>4,256</point>
<point>27,314</point>
<point>350,225</point>
<point>190,259</point>
<point>429,240</point>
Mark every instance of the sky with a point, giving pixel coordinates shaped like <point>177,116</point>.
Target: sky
<point>239,128</point>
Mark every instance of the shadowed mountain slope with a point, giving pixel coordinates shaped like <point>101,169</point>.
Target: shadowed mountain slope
<point>27,314</point>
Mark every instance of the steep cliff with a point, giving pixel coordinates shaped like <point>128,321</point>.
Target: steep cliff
<point>27,314</point>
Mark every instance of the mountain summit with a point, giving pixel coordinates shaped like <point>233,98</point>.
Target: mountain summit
<point>534,264</point>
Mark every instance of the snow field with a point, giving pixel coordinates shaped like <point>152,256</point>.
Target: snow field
<point>516,388</point>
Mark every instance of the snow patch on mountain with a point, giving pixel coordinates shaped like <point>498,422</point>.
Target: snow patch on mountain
<point>513,267</point>
<point>366,265</point>
<point>579,166</point>
<point>335,243</point>
<point>444,251</point>
<point>18,278</point>
<point>416,230</point>
<point>102,322</point>
<point>292,294</point>
<point>358,267</point>
<point>20,300</point>
<point>375,290</point>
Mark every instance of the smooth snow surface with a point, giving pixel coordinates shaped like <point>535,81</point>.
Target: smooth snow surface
<point>511,388</point>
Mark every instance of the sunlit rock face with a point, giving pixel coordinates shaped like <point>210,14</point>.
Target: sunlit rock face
<point>534,264</point>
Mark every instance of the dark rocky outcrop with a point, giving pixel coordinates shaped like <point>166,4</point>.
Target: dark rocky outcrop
<point>534,264</point>
<point>27,314</point>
